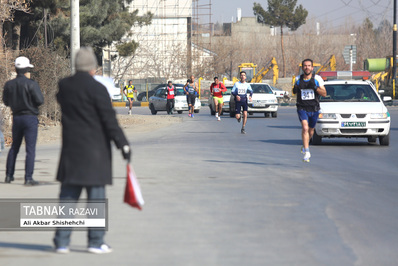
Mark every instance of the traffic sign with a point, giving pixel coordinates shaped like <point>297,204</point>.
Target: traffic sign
<point>346,54</point>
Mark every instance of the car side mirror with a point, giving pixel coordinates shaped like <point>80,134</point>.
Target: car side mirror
<point>387,98</point>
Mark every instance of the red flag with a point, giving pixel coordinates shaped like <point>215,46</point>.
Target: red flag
<point>132,194</point>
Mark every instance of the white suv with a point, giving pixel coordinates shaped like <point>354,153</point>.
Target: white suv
<point>353,109</point>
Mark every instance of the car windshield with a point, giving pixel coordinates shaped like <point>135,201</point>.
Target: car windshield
<point>349,93</point>
<point>261,88</point>
<point>228,92</point>
<point>179,91</point>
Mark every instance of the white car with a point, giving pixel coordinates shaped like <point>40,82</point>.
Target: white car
<point>181,104</point>
<point>226,97</point>
<point>117,97</point>
<point>279,93</point>
<point>353,109</point>
<point>263,101</point>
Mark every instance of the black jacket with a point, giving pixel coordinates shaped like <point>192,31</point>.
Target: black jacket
<point>23,95</point>
<point>88,126</point>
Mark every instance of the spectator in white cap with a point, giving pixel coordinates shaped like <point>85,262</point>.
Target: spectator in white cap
<point>24,97</point>
<point>89,125</point>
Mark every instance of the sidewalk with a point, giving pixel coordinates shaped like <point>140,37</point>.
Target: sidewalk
<point>35,247</point>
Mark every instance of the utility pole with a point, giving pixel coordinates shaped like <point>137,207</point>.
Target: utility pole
<point>75,32</point>
<point>45,27</point>
<point>394,50</point>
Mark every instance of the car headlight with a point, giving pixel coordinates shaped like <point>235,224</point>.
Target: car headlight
<point>379,115</point>
<point>327,116</point>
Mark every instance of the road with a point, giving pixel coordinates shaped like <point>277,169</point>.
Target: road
<point>217,197</point>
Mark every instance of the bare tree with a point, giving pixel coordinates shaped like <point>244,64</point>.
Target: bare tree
<point>7,10</point>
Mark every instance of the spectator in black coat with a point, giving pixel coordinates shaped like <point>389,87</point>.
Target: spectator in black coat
<point>89,125</point>
<point>24,97</point>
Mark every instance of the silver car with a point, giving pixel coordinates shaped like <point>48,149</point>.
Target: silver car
<point>158,101</point>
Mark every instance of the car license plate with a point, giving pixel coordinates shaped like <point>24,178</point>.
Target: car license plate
<point>258,105</point>
<point>353,124</point>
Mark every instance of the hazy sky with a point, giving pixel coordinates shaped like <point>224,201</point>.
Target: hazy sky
<point>335,12</point>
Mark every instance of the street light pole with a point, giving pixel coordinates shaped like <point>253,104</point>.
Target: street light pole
<point>74,32</point>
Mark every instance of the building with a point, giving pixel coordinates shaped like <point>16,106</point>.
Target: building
<point>166,49</point>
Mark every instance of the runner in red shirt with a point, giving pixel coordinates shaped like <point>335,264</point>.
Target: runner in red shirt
<point>170,90</point>
<point>216,90</point>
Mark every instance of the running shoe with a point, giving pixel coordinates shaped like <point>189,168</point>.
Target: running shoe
<point>307,156</point>
<point>216,114</point>
<point>243,131</point>
<point>129,112</point>
<point>62,250</point>
<point>191,115</point>
<point>104,248</point>
<point>240,118</point>
<point>218,118</point>
<point>302,150</point>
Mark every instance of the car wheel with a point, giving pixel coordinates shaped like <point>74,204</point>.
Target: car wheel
<point>384,140</point>
<point>196,111</point>
<point>316,139</point>
<point>231,114</point>
<point>266,114</point>
<point>153,111</point>
<point>179,112</point>
<point>274,114</point>
<point>212,112</point>
<point>372,139</point>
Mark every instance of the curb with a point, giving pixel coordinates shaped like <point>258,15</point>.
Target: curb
<point>125,104</point>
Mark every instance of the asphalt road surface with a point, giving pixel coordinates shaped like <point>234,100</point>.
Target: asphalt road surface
<point>217,197</point>
<point>250,200</point>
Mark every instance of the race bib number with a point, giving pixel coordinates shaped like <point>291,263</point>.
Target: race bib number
<point>216,90</point>
<point>307,95</point>
<point>171,92</point>
<point>130,91</point>
<point>191,90</point>
<point>241,91</point>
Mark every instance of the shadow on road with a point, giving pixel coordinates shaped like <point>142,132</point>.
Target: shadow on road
<point>242,162</point>
<point>283,141</point>
<point>286,127</point>
<point>26,246</point>
<point>334,142</point>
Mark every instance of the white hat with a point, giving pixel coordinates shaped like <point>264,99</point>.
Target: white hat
<point>22,62</point>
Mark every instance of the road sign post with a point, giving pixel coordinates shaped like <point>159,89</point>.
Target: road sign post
<point>350,55</point>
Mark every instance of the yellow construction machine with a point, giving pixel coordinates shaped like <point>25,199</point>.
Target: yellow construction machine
<point>250,70</point>
<point>254,77</point>
<point>272,64</point>
<point>384,77</point>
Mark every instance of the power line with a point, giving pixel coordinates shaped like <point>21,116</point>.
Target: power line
<point>375,11</point>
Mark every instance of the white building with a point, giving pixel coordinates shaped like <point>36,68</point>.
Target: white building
<point>165,46</point>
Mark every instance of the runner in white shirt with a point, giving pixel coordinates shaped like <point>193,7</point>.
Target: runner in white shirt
<point>240,90</point>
